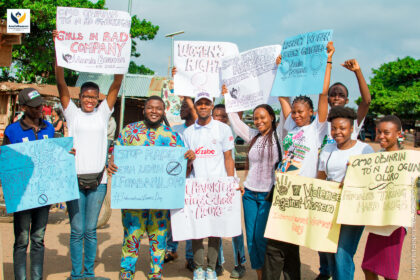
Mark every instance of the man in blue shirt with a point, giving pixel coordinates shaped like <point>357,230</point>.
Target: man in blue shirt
<point>29,223</point>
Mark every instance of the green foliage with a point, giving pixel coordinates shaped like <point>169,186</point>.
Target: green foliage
<point>34,59</point>
<point>395,89</point>
<point>133,68</point>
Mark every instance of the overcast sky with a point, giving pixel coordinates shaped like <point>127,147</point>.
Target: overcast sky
<point>373,32</point>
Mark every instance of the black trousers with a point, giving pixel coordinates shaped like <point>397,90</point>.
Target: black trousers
<point>281,257</point>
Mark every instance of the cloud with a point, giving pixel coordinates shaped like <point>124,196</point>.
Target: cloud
<point>373,32</point>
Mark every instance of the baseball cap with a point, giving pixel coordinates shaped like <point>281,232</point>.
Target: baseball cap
<point>202,95</point>
<point>30,97</point>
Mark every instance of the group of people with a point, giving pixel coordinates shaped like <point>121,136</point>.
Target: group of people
<point>302,142</point>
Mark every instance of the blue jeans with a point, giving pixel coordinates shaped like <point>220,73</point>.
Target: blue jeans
<point>83,213</point>
<point>238,251</point>
<point>29,223</point>
<point>256,210</point>
<point>172,246</point>
<point>341,263</point>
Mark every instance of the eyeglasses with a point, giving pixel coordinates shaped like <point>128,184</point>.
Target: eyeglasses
<point>88,97</point>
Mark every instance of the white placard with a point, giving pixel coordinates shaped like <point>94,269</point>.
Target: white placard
<point>249,77</point>
<point>212,208</point>
<point>198,64</point>
<point>92,40</point>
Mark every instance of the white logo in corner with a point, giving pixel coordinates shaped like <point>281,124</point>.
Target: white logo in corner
<point>18,20</point>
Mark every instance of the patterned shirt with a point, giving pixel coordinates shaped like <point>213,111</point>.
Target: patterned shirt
<point>138,134</point>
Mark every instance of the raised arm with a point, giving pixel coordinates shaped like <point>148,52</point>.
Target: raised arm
<point>363,108</point>
<point>286,108</point>
<point>187,99</point>
<point>323,97</point>
<point>111,98</point>
<point>63,90</point>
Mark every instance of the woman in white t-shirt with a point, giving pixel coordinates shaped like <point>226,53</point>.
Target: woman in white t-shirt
<point>333,162</point>
<point>88,126</point>
<point>300,157</point>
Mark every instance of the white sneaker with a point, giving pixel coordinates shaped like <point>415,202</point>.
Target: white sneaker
<point>211,274</point>
<point>199,274</point>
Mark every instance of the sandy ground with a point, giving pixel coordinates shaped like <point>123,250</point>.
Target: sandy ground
<point>58,265</point>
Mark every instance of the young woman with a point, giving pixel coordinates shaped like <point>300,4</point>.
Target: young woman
<point>383,253</point>
<point>300,157</point>
<point>332,167</point>
<point>88,127</point>
<point>57,122</point>
<point>263,156</point>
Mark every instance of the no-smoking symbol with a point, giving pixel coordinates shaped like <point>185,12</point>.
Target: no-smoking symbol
<point>42,199</point>
<point>173,168</point>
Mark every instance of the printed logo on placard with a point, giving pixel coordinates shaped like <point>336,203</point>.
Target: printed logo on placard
<point>18,20</point>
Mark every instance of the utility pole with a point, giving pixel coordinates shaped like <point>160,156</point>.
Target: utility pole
<point>122,105</point>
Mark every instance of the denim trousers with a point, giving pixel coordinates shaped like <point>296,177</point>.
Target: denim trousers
<point>256,210</point>
<point>172,246</point>
<point>29,224</point>
<point>341,263</point>
<point>238,249</point>
<point>83,214</point>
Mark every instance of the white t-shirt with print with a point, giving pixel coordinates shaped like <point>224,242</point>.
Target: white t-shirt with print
<point>354,134</point>
<point>333,161</point>
<point>89,132</point>
<point>300,147</point>
<point>209,142</point>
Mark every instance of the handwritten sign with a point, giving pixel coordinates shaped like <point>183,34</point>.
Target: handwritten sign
<point>378,188</point>
<point>303,63</point>
<point>93,40</point>
<point>148,177</point>
<point>198,64</point>
<point>209,203</point>
<point>38,173</point>
<point>304,211</point>
<point>249,77</point>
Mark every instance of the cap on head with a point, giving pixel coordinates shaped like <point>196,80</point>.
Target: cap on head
<point>202,95</point>
<point>30,97</point>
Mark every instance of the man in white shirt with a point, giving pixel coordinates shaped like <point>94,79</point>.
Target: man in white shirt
<point>212,142</point>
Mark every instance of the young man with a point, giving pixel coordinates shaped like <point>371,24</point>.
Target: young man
<point>212,142</point>
<point>29,223</point>
<point>143,133</point>
<point>189,115</point>
<point>219,114</point>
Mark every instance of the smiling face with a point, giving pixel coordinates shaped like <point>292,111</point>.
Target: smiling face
<point>203,108</point>
<point>89,100</point>
<point>337,96</point>
<point>341,130</point>
<point>262,120</point>
<point>219,114</point>
<point>387,134</point>
<point>301,113</point>
<point>153,113</point>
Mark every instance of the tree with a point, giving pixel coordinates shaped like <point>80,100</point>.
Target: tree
<point>34,59</point>
<point>395,89</point>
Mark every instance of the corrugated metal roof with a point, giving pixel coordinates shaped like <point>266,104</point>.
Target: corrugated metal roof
<point>134,85</point>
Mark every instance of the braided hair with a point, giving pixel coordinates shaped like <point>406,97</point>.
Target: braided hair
<point>268,138</point>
